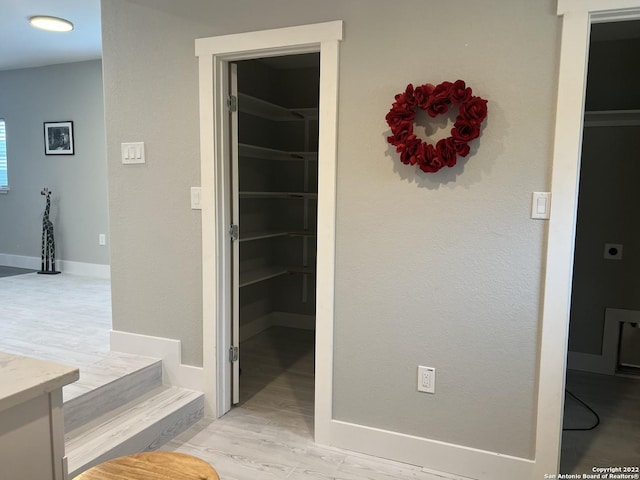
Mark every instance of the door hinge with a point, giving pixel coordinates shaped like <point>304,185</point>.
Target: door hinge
<point>232,103</point>
<point>234,232</point>
<point>233,354</point>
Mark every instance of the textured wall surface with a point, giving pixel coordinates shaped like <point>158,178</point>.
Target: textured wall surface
<point>441,270</point>
<point>29,97</point>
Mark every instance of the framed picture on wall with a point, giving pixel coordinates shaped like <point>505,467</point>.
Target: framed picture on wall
<point>58,138</point>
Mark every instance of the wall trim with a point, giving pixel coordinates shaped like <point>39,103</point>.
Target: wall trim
<point>95,270</point>
<point>174,372</point>
<point>577,17</point>
<point>464,463</point>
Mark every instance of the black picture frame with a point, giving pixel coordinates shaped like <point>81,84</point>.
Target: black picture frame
<point>58,138</point>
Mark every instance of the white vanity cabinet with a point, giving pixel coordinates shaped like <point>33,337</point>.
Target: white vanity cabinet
<point>31,418</point>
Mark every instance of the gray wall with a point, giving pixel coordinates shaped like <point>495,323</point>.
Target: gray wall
<point>29,97</point>
<point>441,270</point>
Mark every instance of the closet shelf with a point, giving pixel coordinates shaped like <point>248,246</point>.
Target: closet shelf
<point>278,195</point>
<point>248,237</point>
<point>261,108</point>
<point>611,118</point>
<point>253,151</point>
<point>251,277</point>
<point>260,275</point>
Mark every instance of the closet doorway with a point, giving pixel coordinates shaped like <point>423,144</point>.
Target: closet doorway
<point>273,105</point>
<point>215,56</point>
<point>604,347</point>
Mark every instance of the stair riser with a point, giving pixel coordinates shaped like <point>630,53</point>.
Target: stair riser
<point>81,410</point>
<point>151,438</point>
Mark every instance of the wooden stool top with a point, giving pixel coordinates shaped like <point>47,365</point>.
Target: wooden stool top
<point>152,466</point>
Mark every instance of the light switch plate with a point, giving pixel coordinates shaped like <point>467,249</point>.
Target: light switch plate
<point>196,198</point>
<point>132,153</point>
<point>540,205</point>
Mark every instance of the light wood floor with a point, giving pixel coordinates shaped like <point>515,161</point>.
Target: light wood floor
<point>616,441</point>
<point>269,435</point>
<point>67,318</point>
<point>61,318</point>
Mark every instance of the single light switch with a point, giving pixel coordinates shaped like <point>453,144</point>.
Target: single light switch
<point>541,205</point>
<point>196,203</point>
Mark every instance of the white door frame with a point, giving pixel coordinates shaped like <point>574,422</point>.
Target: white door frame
<point>577,17</point>
<point>214,55</point>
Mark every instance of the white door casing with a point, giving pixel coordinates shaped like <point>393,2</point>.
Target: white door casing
<point>234,386</point>
<point>214,54</point>
<point>577,17</point>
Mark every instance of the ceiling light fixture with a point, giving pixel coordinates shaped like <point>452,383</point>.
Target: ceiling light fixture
<point>51,24</point>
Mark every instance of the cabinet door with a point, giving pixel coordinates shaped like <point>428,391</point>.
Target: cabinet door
<point>235,247</point>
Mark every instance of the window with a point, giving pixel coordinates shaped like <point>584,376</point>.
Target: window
<point>4,179</point>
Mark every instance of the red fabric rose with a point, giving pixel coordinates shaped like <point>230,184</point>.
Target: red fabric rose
<point>465,131</point>
<point>461,148</point>
<point>447,151</point>
<point>422,95</point>
<point>440,101</point>
<point>397,117</point>
<point>403,133</point>
<point>460,93</point>
<point>408,155</point>
<point>474,110</point>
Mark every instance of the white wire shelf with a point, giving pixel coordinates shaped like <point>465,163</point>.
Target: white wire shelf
<point>251,277</point>
<point>271,111</point>
<point>253,151</point>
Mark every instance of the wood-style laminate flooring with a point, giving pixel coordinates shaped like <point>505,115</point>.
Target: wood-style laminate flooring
<point>67,319</point>
<point>613,443</point>
<point>61,318</point>
<point>269,435</point>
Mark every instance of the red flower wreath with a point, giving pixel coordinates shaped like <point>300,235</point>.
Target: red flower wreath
<point>435,100</point>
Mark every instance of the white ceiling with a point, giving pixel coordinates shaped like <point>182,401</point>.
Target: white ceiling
<point>23,46</point>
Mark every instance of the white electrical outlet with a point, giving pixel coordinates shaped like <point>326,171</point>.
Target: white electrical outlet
<point>426,379</point>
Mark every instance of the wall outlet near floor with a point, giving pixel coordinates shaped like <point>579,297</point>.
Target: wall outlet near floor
<point>426,379</point>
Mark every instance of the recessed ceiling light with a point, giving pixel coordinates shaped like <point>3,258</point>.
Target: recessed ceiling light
<point>52,24</point>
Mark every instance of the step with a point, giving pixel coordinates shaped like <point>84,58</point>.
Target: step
<point>108,384</point>
<point>141,425</point>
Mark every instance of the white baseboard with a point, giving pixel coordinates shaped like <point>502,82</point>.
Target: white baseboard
<point>66,266</point>
<point>174,372</point>
<point>445,459</point>
<point>277,319</point>
<point>607,362</point>
<point>20,261</point>
<point>85,269</point>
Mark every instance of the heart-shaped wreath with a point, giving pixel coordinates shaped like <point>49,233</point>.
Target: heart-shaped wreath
<point>435,101</point>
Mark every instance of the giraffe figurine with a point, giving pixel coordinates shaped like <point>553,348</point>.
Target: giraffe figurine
<point>48,243</point>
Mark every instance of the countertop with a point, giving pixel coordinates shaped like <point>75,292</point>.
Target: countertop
<point>24,378</point>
